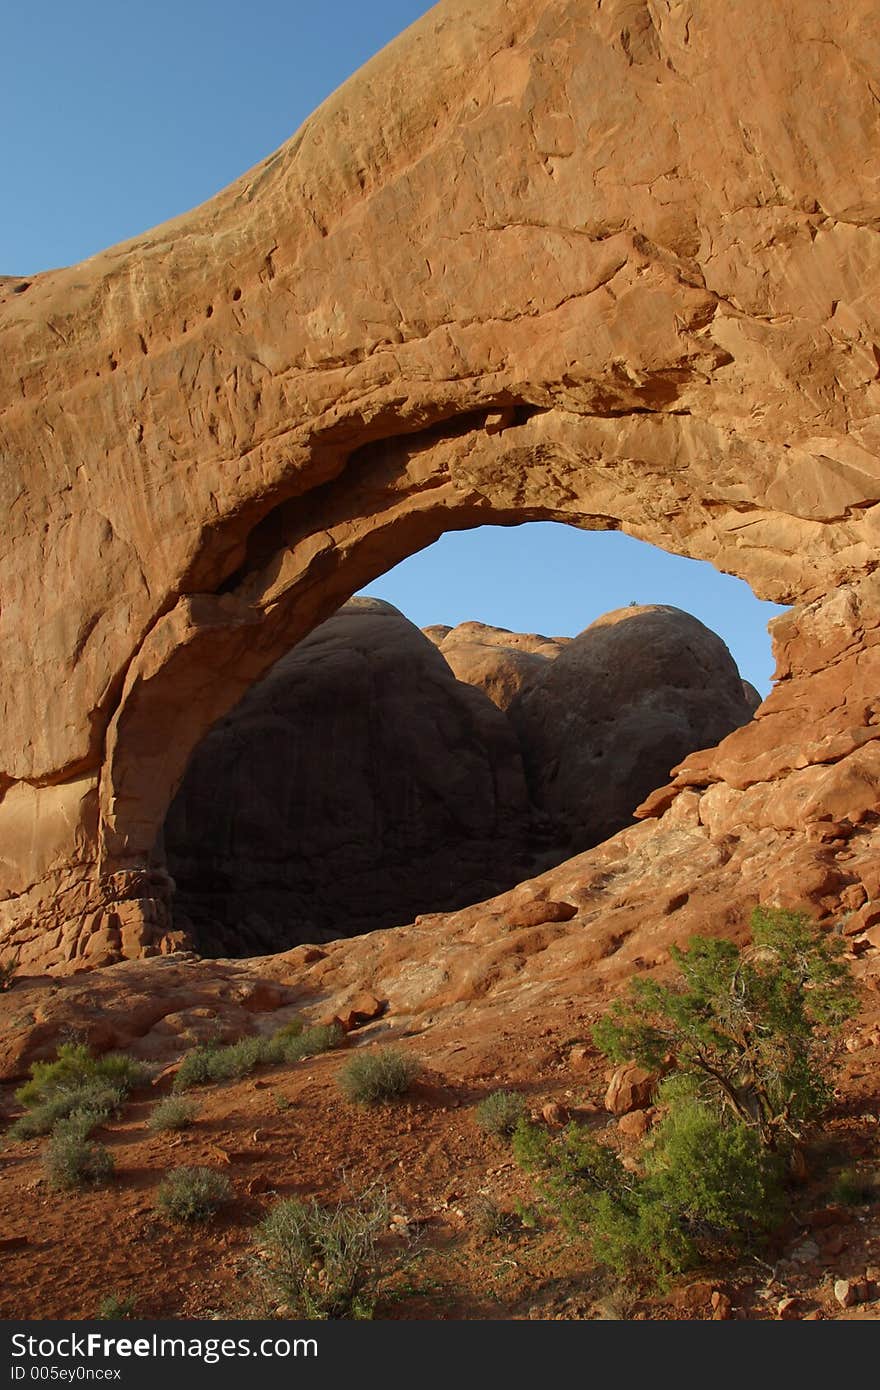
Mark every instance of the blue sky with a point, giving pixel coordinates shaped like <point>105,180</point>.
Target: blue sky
<point>120,116</point>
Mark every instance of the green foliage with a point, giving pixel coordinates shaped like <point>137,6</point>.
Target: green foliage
<point>193,1194</point>
<point>500,1113</point>
<point>68,1098</point>
<point>851,1188</point>
<point>715,1174</point>
<point>293,1029</point>
<point>383,1074</point>
<point>96,1099</point>
<point>750,1037</point>
<point>174,1112</point>
<point>71,1159</point>
<point>75,1065</point>
<point>323,1263</point>
<point>321,1037</point>
<point>573,1169</point>
<point>115,1307</point>
<point>757,1028</point>
<point>527,1214</point>
<point>709,1187</point>
<point>290,1044</point>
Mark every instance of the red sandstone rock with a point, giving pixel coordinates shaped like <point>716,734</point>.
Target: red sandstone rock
<point>669,334</point>
<point>634,1124</point>
<point>499,662</point>
<point>630,1088</point>
<point>361,1009</point>
<point>605,722</point>
<point>534,914</point>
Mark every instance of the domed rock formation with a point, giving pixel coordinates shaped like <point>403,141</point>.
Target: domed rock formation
<point>357,785</point>
<point>627,699</point>
<point>497,661</point>
<point>538,260</point>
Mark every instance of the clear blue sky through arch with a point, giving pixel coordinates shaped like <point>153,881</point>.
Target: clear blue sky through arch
<point>120,116</point>
<point>551,578</point>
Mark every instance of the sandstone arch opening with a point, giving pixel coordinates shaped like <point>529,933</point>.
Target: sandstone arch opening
<point>500,278</point>
<point>380,771</point>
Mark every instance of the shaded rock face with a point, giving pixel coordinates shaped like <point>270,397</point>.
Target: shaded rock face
<point>538,260</point>
<point>359,784</point>
<point>606,721</point>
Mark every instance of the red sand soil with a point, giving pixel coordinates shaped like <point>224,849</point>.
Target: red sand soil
<point>287,1131</point>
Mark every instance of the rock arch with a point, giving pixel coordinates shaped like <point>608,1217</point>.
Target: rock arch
<point>603,264</point>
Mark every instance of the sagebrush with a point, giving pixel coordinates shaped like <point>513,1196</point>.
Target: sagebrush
<point>385,1073</point>
<point>172,1113</point>
<point>324,1262</point>
<point>500,1113</point>
<point>191,1194</point>
<point>72,1159</point>
<point>211,1062</point>
<point>76,1065</point>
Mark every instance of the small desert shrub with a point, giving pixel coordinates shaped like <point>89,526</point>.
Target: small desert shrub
<point>95,1099</point>
<point>213,1063</point>
<point>8,970</point>
<point>750,1036</point>
<point>321,1037</point>
<point>323,1262</point>
<point>709,1188</point>
<point>290,1044</point>
<point>174,1112</point>
<point>116,1307</point>
<point>492,1220</point>
<point>500,1113</point>
<point>293,1029</point>
<point>383,1074</point>
<point>853,1189</point>
<point>71,1159</point>
<point>757,1029</point>
<point>527,1214</point>
<point>193,1194</point>
<point>75,1065</point>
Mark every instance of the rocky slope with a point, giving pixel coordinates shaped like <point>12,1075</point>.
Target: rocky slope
<point>500,994</point>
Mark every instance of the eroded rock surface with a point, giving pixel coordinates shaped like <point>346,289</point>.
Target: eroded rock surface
<point>611,266</point>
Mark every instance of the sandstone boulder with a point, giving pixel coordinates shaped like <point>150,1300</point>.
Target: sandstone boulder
<point>602,726</point>
<point>630,1088</point>
<point>357,785</point>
